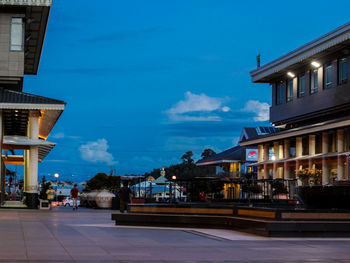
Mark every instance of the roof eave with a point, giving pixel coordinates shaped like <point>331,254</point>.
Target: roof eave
<point>306,51</point>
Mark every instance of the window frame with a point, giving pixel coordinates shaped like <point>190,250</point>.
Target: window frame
<point>313,90</point>
<point>12,49</point>
<point>290,88</point>
<point>328,85</point>
<point>279,93</point>
<point>340,69</point>
<point>301,77</point>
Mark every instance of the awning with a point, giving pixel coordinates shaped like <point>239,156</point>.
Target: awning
<point>22,142</point>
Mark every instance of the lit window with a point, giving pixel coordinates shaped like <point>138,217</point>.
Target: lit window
<point>328,77</point>
<point>343,71</point>
<point>17,33</point>
<point>314,81</point>
<point>301,86</point>
<point>290,90</point>
<point>279,93</point>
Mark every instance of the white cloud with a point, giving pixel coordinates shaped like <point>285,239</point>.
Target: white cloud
<point>96,152</point>
<point>59,135</point>
<point>197,108</point>
<point>261,109</point>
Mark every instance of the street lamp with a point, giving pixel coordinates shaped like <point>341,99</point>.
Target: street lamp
<point>56,176</point>
<point>174,179</point>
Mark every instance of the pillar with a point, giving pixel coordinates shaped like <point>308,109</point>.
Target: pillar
<point>276,154</point>
<point>340,147</point>
<point>31,162</point>
<point>2,171</point>
<point>312,149</point>
<point>260,172</point>
<point>265,174</point>
<point>299,146</point>
<point>266,152</point>
<point>260,153</point>
<point>286,148</point>
<point>325,170</point>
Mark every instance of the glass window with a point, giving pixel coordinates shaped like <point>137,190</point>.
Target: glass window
<point>17,33</point>
<point>290,90</point>
<point>279,93</point>
<point>301,86</point>
<point>343,70</point>
<point>328,77</point>
<point>314,81</point>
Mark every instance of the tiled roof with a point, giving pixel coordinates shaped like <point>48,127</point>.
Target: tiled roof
<point>11,96</point>
<point>234,153</point>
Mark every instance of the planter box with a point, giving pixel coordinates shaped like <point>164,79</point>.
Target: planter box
<point>325,197</point>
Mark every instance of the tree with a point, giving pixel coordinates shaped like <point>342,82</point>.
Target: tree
<point>207,153</point>
<point>103,181</point>
<point>187,158</point>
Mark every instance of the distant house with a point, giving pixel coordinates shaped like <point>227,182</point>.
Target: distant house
<point>231,164</point>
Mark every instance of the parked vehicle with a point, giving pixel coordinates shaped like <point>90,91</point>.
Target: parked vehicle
<point>68,201</point>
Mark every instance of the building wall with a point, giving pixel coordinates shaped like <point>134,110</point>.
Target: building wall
<point>11,62</point>
<point>312,106</point>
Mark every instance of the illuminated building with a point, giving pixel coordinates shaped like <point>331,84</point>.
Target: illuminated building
<point>310,104</point>
<point>26,119</point>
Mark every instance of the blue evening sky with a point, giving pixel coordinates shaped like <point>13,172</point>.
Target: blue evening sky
<point>146,81</point>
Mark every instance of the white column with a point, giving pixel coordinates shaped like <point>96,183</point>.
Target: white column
<point>312,149</point>
<point>266,152</point>
<point>260,153</point>
<point>32,155</point>
<point>325,171</point>
<point>265,174</point>
<point>286,149</point>
<point>340,147</point>
<point>276,154</point>
<point>298,146</point>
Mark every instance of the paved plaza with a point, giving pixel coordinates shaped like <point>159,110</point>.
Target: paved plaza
<point>61,235</point>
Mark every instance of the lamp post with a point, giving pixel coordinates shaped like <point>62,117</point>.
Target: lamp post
<point>56,176</point>
<point>174,179</point>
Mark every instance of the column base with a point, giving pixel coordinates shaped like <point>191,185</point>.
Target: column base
<point>32,200</point>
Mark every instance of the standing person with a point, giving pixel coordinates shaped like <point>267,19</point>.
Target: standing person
<point>74,194</point>
<point>50,193</point>
<point>124,196</point>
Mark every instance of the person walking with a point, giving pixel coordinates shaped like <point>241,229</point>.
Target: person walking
<point>50,193</point>
<point>74,194</point>
<point>124,196</point>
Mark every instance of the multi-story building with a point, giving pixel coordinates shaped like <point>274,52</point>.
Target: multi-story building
<point>26,119</point>
<point>311,104</point>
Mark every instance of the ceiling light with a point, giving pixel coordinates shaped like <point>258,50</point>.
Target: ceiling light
<point>291,74</point>
<point>315,64</point>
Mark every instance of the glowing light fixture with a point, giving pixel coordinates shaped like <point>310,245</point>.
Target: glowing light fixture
<point>291,74</point>
<point>273,158</point>
<point>315,64</point>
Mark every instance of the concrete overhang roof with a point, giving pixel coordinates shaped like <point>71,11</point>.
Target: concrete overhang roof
<point>50,109</point>
<point>36,17</point>
<point>330,42</point>
<point>21,141</point>
<point>304,130</point>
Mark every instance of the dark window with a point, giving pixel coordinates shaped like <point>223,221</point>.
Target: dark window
<point>279,93</point>
<point>301,86</point>
<point>342,71</point>
<point>290,90</point>
<point>314,81</point>
<point>328,77</point>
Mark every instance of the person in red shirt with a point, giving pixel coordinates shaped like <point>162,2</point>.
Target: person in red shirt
<point>74,194</point>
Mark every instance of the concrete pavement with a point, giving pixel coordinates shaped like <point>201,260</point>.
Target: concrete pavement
<point>61,235</point>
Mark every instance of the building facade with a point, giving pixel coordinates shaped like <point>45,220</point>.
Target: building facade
<point>26,119</point>
<point>310,104</point>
